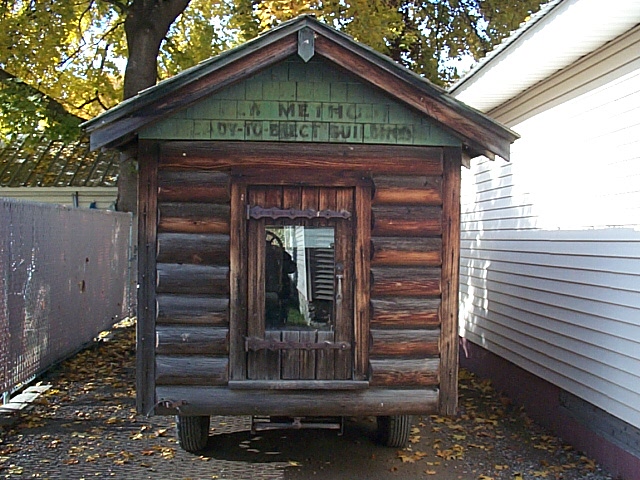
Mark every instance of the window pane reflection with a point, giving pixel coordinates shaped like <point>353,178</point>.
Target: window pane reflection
<point>299,277</point>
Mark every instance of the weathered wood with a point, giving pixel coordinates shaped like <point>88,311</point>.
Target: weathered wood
<point>406,221</point>
<point>404,343</point>
<point>226,401</point>
<point>362,256</point>
<point>272,358</point>
<point>238,282</point>
<point>192,279</point>
<point>406,196</point>
<point>298,385</point>
<point>236,67</point>
<point>191,340</point>
<point>410,281</point>
<point>291,359</point>
<point>145,328</point>
<point>191,370</point>
<point>406,252</point>
<point>325,359</point>
<point>181,186</point>
<point>404,312</point>
<point>308,357</point>
<point>450,280</point>
<point>344,255</point>
<point>197,249</point>
<point>303,177</point>
<point>307,342</point>
<point>273,213</point>
<point>191,309</point>
<point>483,136</point>
<point>405,373</point>
<point>194,218</point>
<point>419,182</point>
<point>237,156</point>
<point>255,248</point>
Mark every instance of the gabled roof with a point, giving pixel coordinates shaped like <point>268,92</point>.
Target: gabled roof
<point>33,162</point>
<point>306,36</point>
<point>555,37</point>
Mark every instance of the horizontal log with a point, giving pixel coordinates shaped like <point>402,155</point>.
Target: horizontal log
<point>191,340</point>
<point>193,218</point>
<point>191,370</point>
<point>407,196</point>
<point>405,373</point>
<point>303,177</point>
<point>410,281</point>
<point>407,252</point>
<point>191,309</point>
<point>236,156</point>
<point>404,343</point>
<point>298,384</point>
<point>297,403</point>
<point>197,249</point>
<point>408,181</point>
<point>190,186</point>
<point>416,312</point>
<point>406,221</point>
<point>192,279</point>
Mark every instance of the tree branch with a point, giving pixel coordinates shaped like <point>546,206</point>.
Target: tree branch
<point>53,105</point>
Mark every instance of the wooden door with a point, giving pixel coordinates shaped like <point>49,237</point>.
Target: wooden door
<point>300,283</point>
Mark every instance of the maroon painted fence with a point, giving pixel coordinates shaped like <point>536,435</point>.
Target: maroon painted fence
<point>64,278</point>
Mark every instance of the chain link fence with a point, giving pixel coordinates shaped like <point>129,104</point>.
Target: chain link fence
<point>64,278</point>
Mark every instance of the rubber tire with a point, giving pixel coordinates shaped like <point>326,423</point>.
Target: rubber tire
<point>394,430</point>
<point>192,432</point>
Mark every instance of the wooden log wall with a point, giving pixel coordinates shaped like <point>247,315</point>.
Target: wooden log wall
<point>406,259</point>
<point>192,286</point>
<point>399,324</point>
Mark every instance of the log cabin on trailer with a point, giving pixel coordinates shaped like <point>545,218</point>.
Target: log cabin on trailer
<point>298,212</point>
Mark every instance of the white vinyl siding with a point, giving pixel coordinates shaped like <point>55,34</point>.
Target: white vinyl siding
<point>550,247</point>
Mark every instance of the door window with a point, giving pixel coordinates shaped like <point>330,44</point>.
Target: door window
<point>299,277</point>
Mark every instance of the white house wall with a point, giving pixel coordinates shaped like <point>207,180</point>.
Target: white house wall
<point>104,197</point>
<point>550,252</point>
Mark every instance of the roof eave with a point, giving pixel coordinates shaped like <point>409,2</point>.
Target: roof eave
<point>480,134</point>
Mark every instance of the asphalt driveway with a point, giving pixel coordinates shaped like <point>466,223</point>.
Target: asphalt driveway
<point>85,426</point>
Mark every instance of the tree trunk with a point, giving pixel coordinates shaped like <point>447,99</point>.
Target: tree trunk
<point>146,25</point>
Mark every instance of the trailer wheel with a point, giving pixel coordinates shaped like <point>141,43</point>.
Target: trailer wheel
<point>193,432</point>
<point>394,430</point>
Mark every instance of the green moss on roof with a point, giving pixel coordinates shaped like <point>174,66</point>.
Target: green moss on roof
<point>36,162</point>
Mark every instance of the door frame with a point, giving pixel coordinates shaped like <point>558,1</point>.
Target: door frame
<point>238,267</point>
<point>294,204</point>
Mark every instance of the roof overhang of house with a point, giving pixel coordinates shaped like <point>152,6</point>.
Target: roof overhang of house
<point>305,36</point>
<point>555,37</point>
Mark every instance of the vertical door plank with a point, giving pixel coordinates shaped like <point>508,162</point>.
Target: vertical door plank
<point>308,357</point>
<point>272,357</point>
<point>291,197</point>
<point>325,359</point>
<point>309,198</point>
<point>291,358</point>
<point>255,314</point>
<point>344,308</point>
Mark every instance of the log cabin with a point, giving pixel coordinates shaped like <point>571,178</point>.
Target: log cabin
<point>298,209</point>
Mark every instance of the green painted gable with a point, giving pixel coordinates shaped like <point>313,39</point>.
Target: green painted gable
<point>304,102</point>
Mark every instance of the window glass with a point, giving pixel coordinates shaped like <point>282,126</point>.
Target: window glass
<point>299,277</point>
